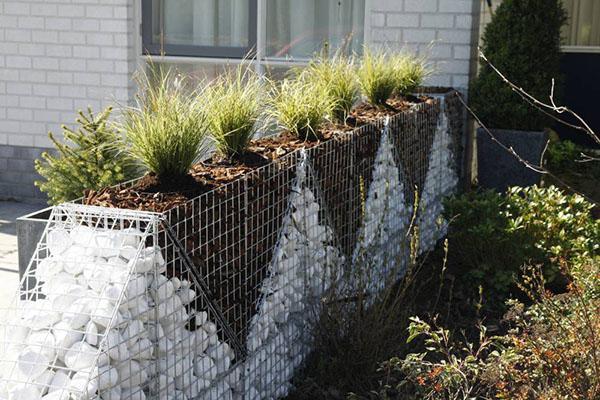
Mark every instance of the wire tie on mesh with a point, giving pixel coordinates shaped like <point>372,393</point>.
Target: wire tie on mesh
<point>205,291</point>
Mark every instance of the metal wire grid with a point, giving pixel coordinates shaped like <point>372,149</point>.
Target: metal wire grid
<point>233,237</point>
<point>59,339</point>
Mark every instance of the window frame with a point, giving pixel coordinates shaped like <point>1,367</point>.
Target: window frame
<point>150,48</point>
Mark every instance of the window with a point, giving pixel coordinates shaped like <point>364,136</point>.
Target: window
<point>209,28</point>
<point>290,29</point>
<point>583,28</point>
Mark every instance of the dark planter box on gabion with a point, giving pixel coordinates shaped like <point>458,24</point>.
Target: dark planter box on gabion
<point>498,169</point>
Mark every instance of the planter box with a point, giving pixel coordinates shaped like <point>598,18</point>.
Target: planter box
<point>223,286</point>
<point>30,228</point>
<point>498,169</point>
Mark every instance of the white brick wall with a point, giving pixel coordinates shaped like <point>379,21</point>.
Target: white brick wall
<point>439,29</point>
<point>58,56</point>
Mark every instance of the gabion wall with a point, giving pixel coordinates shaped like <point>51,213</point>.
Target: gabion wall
<point>213,300</point>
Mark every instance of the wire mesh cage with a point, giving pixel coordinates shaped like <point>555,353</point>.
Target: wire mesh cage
<point>214,299</point>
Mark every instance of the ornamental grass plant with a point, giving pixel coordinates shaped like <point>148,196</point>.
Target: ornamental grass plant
<point>300,107</point>
<point>338,75</point>
<point>377,76</point>
<point>234,106</point>
<point>167,129</point>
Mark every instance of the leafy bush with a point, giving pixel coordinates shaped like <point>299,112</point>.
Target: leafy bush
<point>552,351</point>
<point>167,130</point>
<point>377,76</point>
<point>479,228</point>
<point>534,224</point>
<point>562,225</point>
<point>562,155</point>
<point>511,42</point>
<point>94,159</point>
<point>338,75</point>
<point>234,103</point>
<point>300,107</point>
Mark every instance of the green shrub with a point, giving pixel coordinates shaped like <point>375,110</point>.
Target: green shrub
<point>562,155</point>
<point>377,76</point>
<point>338,75</point>
<point>479,228</point>
<point>562,225</point>
<point>537,225</point>
<point>167,130</point>
<point>92,157</point>
<point>523,42</point>
<point>300,107</point>
<point>234,104</point>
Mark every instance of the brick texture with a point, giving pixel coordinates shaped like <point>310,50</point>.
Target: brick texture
<point>56,56</point>
<point>442,30</point>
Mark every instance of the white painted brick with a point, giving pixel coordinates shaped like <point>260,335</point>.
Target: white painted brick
<point>34,102</point>
<point>388,5</point>
<point>419,35</point>
<point>59,24</point>
<point>421,5</point>
<point>18,62</point>
<point>60,77</point>
<point>19,88</point>
<point>33,76</point>
<point>117,26</point>
<point>386,35</point>
<point>19,114</point>
<point>8,21</point>
<point>73,91</point>
<point>59,50</point>
<point>71,10</point>
<point>45,63</point>
<point>114,53</point>
<point>44,36</point>
<point>100,39</point>
<point>456,6</point>
<point>454,67</point>
<point>377,19</point>
<point>31,49</point>
<point>72,38</point>
<point>86,78</point>
<point>86,51</point>
<point>46,90</point>
<point>463,21</point>
<point>437,21</point>
<point>86,25</point>
<point>72,64</point>
<point>402,20</point>
<point>462,52</point>
<point>9,48</point>
<point>99,11</point>
<point>114,80</point>
<point>30,22</point>
<point>44,141</point>
<point>46,116</point>
<point>44,9</point>
<point>103,66</point>
<point>455,36</point>
<point>60,103</point>
<point>20,140</point>
<point>16,8</point>
<point>17,35</point>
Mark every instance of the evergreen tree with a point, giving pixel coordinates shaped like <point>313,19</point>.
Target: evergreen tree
<point>523,42</point>
<point>92,157</point>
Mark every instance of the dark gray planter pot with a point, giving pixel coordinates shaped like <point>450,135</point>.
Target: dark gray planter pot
<point>498,169</point>
<point>30,228</point>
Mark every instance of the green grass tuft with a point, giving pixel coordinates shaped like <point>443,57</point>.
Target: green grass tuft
<point>167,129</point>
<point>235,102</point>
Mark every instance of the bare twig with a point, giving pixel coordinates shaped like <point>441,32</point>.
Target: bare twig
<point>546,108</point>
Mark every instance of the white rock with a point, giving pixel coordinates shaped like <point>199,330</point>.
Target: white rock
<point>135,393</point>
<point>205,368</point>
<point>39,314</point>
<point>24,392</point>
<point>112,394</point>
<point>58,240</point>
<point>57,395</point>
<point>132,374</point>
<point>163,289</point>
<point>186,295</point>
<point>136,287</point>
<point>84,385</point>
<point>108,377</point>
<point>116,346</point>
<point>78,313</point>
<point>60,382</point>
<point>65,337</point>
<point>44,342</point>
<point>81,356</point>
<point>128,252</point>
<point>142,350</point>
<point>44,380</point>
<point>47,268</point>
<point>176,282</point>
<point>31,363</point>
<point>91,333</point>
<point>134,331</point>
<point>131,237</point>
